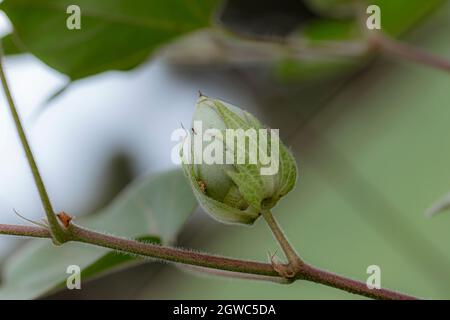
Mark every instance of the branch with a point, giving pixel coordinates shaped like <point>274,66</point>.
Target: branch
<point>24,231</point>
<point>329,279</point>
<point>297,269</point>
<point>169,254</point>
<point>55,228</point>
<point>406,51</point>
<point>386,44</point>
<point>263,271</point>
<point>295,263</point>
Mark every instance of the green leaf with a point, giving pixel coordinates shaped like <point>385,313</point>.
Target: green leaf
<point>331,30</point>
<point>334,8</point>
<point>152,209</point>
<point>397,17</point>
<point>114,34</point>
<point>11,45</point>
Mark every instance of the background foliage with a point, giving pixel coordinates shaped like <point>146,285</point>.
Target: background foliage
<point>370,139</point>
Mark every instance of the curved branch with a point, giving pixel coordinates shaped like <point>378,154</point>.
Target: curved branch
<point>263,271</point>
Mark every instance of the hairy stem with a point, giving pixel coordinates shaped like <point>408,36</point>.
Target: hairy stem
<point>24,231</point>
<point>329,279</point>
<point>55,228</point>
<point>289,251</point>
<point>262,271</point>
<point>168,253</point>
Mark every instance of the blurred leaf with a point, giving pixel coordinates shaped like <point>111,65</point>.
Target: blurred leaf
<point>11,45</point>
<point>290,70</point>
<point>397,17</point>
<point>439,206</point>
<point>335,8</point>
<point>256,18</point>
<point>114,35</point>
<point>331,30</point>
<point>153,209</point>
<point>373,156</point>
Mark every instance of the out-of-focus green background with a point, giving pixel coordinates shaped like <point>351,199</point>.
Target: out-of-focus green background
<point>371,162</point>
<point>372,146</point>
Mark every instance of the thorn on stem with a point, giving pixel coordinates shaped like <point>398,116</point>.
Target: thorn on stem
<point>272,256</point>
<point>284,270</point>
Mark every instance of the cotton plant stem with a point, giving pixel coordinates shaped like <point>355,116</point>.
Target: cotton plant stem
<point>24,231</point>
<point>289,251</point>
<point>55,228</point>
<point>329,279</point>
<point>406,51</point>
<point>306,272</point>
<point>379,40</point>
<point>262,271</point>
<point>169,253</point>
<point>234,275</point>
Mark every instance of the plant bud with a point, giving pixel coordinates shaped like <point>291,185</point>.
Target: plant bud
<point>236,167</point>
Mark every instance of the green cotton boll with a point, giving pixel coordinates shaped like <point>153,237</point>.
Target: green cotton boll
<point>214,175</point>
<point>236,192</point>
<point>332,8</point>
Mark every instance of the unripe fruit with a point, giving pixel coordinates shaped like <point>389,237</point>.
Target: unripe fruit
<point>256,168</point>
